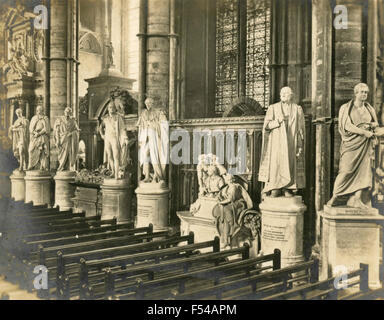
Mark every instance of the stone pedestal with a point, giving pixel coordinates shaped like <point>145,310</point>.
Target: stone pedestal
<point>152,206</point>
<point>117,200</point>
<point>38,187</point>
<point>282,228</point>
<point>18,185</point>
<point>204,228</point>
<point>203,224</point>
<point>87,198</point>
<point>64,191</point>
<point>351,236</point>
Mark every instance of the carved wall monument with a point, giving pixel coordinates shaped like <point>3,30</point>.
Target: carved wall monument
<point>223,208</point>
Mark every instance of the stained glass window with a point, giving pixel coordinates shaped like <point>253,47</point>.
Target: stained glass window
<point>257,26</point>
<point>258,46</point>
<point>226,53</point>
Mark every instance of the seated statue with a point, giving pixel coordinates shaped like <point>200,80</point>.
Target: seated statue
<point>233,201</point>
<point>226,202</point>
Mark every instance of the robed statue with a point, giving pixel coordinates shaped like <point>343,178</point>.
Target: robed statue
<point>66,137</point>
<point>39,131</point>
<point>19,134</point>
<point>234,200</point>
<point>153,141</point>
<point>358,128</point>
<point>282,166</point>
<point>112,131</point>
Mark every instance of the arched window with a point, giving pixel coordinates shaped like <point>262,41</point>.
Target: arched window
<point>242,52</point>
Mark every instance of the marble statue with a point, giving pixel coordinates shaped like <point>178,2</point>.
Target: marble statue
<point>233,201</point>
<point>19,133</point>
<point>282,166</point>
<point>209,173</point>
<point>153,142</point>
<point>110,53</point>
<point>39,131</point>
<point>358,127</point>
<point>225,202</point>
<point>112,131</point>
<point>66,137</point>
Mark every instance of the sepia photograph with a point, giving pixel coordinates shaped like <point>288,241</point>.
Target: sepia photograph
<point>187,150</point>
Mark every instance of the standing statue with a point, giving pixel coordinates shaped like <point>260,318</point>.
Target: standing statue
<point>282,157</point>
<point>358,127</point>
<point>39,131</point>
<point>19,133</point>
<point>66,139</point>
<point>110,53</point>
<point>112,131</point>
<point>153,141</point>
<point>233,200</point>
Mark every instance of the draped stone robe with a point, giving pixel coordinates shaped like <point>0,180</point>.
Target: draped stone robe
<point>280,167</point>
<point>39,145</point>
<point>153,139</point>
<point>356,151</point>
<point>67,140</point>
<point>20,137</point>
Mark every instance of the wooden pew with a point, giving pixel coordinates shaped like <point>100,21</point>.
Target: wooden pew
<point>90,271</point>
<point>113,282</point>
<point>78,232</point>
<point>255,286</point>
<point>326,289</point>
<point>119,230</point>
<point>21,268</point>
<point>70,263</point>
<point>201,278</point>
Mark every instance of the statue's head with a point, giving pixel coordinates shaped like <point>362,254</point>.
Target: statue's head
<point>149,102</point>
<point>361,91</point>
<point>40,110</point>
<point>229,178</point>
<point>112,108</point>
<point>212,170</point>
<point>19,112</point>
<point>68,112</point>
<point>286,94</point>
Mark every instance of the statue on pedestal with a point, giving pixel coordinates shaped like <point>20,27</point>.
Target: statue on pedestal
<point>112,131</point>
<point>39,131</point>
<point>66,138</point>
<point>19,134</point>
<point>358,127</point>
<point>153,141</point>
<point>282,165</point>
<point>110,53</point>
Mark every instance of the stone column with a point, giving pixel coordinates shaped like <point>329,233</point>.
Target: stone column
<point>38,187</point>
<point>155,33</point>
<point>62,60</point>
<point>322,103</point>
<point>157,71</point>
<point>64,191</point>
<point>18,185</point>
<point>282,228</point>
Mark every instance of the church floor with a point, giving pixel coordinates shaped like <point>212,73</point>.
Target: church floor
<point>10,291</point>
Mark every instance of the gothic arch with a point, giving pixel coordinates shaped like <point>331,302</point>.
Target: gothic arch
<point>89,43</point>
